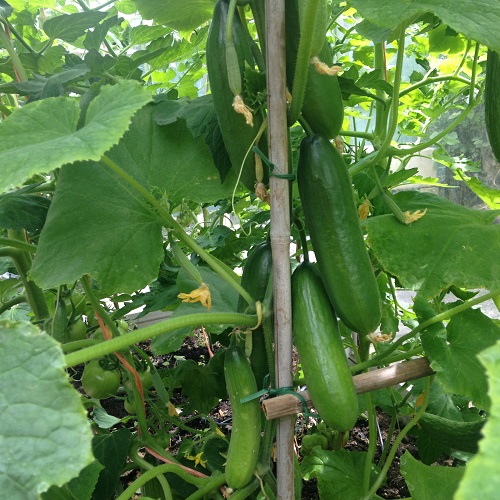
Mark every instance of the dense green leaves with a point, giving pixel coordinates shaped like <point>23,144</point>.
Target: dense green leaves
<point>454,358</point>
<point>441,248</point>
<point>70,27</point>
<point>476,21</point>
<point>41,415</point>
<point>181,16</point>
<point>481,479</point>
<point>422,479</point>
<point>53,139</point>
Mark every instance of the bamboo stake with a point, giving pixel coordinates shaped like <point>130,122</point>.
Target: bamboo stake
<point>280,234</point>
<point>289,404</point>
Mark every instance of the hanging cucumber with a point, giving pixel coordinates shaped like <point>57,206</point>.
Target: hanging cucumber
<point>320,24</point>
<point>322,355</point>
<point>332,220</point>
<point>492,101</point>
<point>256,273</point>
<point>322,108</point>
<point>225,65</point>
<point>244,445</point>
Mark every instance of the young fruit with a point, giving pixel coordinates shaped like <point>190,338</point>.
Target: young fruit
<point>332,220</point>
<point>256,273</point>
<point>77,331</point>
<point>492,101</point>
<point>244,445</point>
<point>321,351</point>
<point>236,134</point>
<point>98,382</point>
<point>323,108</point>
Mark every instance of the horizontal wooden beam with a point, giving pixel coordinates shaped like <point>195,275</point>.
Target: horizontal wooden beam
<point>288,404</point>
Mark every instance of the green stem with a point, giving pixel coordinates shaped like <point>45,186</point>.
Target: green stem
<point>171,223</point>
<point>376,360</point>
<point>246,491</point>
<point>77,345</point>
<point>16,62</point>
<point>303,57</point>
<point>388,440</point>
<point>380,107</point>
<point>372,442</point>
<point>143,464</point>
<point>21,245</point>
<point>5,306</point>
<point>433,79</point>
<point>150,474</point>
<point>399,440</point>
<point>21,40</point>
<point>136,336</point>
<point>215,482</point>
<point>354,133</point>
<point>259,17</point>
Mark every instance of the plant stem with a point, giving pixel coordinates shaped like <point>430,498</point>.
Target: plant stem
<point>215,482</point>
<point>22,41</point>
<point>372,442</point>
<point>5,306</point>
<point>380,107</point>
<point>171,223</point>
<point>21,245</point>
<point>303,56</point>
<point>434,79</point>
<point>150,474</point>
<point>136,336</point>
<point>378,359</point>
<point>16,62</point>
<point>399,440</point>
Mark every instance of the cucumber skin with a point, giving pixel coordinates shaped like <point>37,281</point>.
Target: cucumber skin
<point>492,101</point>
<point>321,352</point>
<point>332,220</point>
<point>462,436</point>
<point>323,108</point>
<point>236,134</point>
<point>256,273</point>
<point>244,445</point>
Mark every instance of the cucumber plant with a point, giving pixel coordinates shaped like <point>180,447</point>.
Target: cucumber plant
<point>132,135</point>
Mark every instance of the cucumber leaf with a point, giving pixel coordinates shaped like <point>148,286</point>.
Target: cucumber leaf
<point>439,250</point>
<point>481,479</point>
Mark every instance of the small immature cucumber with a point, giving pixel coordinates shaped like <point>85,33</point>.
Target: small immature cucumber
<point>463,436</point>
<point>323,108</point>
<point>256,273</point>
<point>332,220</point>
<point>236,134</point>
<point>244,445</point>
<point>492,101</point>
<point>321,352</point>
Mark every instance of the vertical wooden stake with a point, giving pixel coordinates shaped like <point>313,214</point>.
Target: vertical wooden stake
<point>280,232</point>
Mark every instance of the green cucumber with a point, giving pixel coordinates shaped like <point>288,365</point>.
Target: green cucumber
<point>332,220</point>
<point>256,273</point>
<point>323,108</point>
<point>321,352</point>
<point>236,134</point>
<point>320,25</point>
<point>244,445</point>
<point>463,436</point>
<point>492,101</point>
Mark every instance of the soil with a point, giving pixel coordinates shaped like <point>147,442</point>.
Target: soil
<point>395,486</point>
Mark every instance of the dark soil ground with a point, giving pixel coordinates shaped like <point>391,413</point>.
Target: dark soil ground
<point>395,486</point>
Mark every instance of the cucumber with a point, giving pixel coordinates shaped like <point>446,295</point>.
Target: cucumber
<point>321,352</point>
<point>332,220</point>
<point>244,445</point>
<point>236,134</point>
<point>323,108</point>
<point>256,273</point>
<point>463,436</point>
<point>492,101</point>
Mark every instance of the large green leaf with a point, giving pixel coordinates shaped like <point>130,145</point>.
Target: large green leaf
<point>338,473</point>
<point>454,357</point>
<point>72,26</point>
<point>45,437</point>
<point>422,479</point>
<point>478,21</point>
<point>97,225</point>
<point>181,16</point>
<point>450,245</point>
<point>53,139</point>
<point>481,479</point>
